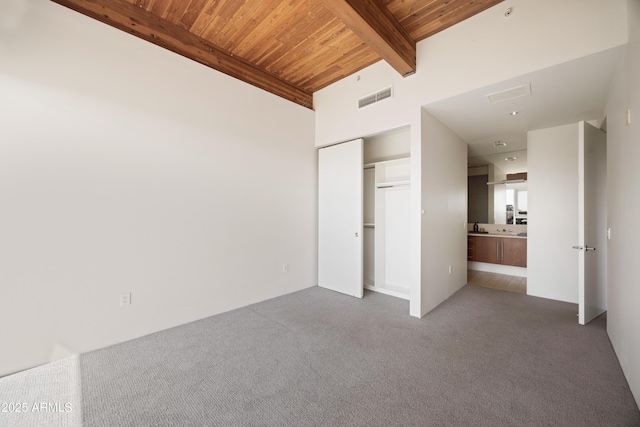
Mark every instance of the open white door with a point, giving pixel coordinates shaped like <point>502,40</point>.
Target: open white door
<point>340,218</point>
<point>592,223</point>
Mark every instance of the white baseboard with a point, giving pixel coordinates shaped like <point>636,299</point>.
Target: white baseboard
<point>497,268</point>
<point>59,351</point>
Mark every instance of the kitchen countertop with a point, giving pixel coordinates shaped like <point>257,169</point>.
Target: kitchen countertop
<point>505,234</point>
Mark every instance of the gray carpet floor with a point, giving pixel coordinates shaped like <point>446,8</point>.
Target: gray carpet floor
<point>318,358</point>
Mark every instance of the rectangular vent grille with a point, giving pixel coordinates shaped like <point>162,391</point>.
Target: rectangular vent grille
<point>373,98</point>
<point>508,94</point>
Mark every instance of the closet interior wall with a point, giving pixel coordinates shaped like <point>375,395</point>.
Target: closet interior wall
<point>386,232</point>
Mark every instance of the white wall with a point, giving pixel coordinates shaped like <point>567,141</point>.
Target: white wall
<point>552,165</point>
<point>444,201</point>
<point>127,168</point>
<point>623,151</point>
<point>485,49</point>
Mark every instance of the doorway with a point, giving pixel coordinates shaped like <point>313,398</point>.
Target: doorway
<point>497,281</point>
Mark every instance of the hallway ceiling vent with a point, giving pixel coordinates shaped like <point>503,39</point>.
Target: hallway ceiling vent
<point>375,97</point>
<point>513,93</point>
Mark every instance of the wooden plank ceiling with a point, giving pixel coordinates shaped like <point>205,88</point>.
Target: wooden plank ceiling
<point>291,48</point>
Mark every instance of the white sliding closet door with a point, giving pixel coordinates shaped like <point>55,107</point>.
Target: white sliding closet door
<point>340,218</point>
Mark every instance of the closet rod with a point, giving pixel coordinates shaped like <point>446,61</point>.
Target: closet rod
<point>397,184</point>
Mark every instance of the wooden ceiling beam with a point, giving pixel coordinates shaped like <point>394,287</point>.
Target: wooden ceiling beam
<point>145,25</point>
<point>379,29</point>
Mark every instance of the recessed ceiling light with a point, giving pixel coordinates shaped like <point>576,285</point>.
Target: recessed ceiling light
<point>514,113</point>
<point>499,144</point>
<point>510,159</point>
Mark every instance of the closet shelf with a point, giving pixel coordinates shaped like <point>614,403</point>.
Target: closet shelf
<point>392,183</point>
<point>373,164</point>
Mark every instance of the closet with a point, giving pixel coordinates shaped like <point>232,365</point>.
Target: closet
<point>363,221</point>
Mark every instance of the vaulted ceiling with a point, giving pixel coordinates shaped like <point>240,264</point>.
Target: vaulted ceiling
<point>291,48</point>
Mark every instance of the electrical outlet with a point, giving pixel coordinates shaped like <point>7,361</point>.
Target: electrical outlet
<point>125,299</point>
<point>285,268</point>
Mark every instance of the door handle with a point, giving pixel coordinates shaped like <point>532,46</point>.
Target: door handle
<point>356,234</point>
<point>585,248</point>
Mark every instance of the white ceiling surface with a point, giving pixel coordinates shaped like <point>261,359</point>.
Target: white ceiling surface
<point>562,94</point>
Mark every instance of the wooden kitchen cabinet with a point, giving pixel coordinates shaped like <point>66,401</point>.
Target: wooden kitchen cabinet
<point>497,250</point>
<point>514,252</point>
<point>487,249</point>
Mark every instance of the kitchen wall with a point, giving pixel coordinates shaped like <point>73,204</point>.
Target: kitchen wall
<point>125,168</point>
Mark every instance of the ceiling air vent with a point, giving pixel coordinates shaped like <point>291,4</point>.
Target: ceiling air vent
<point>505,95</point>
<point>375,97</point>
